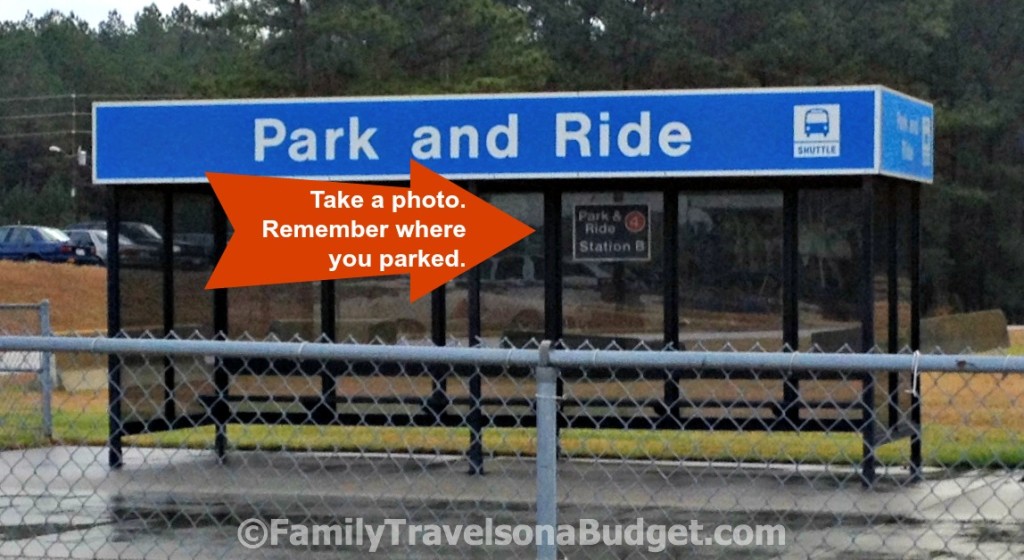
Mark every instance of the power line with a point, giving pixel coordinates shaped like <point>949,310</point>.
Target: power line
<point>69,96</point>
<point>136,96</point>
<point>74,114</point>
<point>36,97</point>
<point>46,133</point>
<point>40,116</point>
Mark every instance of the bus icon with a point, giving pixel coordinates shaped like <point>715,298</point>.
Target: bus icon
<point>816,122</point>
<point>816,130</point>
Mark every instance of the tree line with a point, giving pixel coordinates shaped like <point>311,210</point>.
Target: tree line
<point>966,57</point>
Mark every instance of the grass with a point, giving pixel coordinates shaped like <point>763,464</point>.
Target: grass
<point>970,422</point>
<point>77,294</point>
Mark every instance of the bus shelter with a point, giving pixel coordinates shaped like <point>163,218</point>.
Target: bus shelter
<point>766,219</point>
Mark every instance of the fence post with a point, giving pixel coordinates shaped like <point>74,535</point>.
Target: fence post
<point>45,378</point>
<point>547,496</point>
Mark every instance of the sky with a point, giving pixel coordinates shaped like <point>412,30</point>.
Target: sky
<point>92,11</point>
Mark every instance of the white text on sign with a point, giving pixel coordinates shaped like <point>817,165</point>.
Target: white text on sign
<point>577,134</point>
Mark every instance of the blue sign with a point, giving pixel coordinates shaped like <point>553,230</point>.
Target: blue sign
<point>908,137</point>
<point>750,132</point>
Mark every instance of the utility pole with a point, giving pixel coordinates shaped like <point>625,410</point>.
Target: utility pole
<point>71,146</point>
<point>76,158</point>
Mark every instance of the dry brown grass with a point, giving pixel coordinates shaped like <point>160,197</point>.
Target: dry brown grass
<point>77,294</point>
<point>986,401</point>
<point>983,402</point>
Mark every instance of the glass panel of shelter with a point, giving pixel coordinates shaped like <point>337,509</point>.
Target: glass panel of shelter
<point>141,279</point>
<point>829,255</point>
<point>611,299</point>
<point>190,378</point>
<point>511,304</point>
<point>729,263</point>
<point>730,270</point>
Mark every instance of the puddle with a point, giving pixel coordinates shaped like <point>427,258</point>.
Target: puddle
<point>28,531</point>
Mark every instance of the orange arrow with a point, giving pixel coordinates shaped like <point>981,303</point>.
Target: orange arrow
<point>294,230</point>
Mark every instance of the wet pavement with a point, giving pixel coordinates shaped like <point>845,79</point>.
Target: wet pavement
<point>63,502</point>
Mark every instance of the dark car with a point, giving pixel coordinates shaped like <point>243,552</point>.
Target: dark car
<point>137,232</point>
<point>196,244</point>
<point>146,244</point>
<point>40,243</point>
<point>149,246</point>
<point>131,253</point>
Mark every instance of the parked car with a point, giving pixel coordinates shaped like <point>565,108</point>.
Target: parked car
<point>137,232</point>
<point>196,244</point>
<point>131,253</point>
<point>150,245</point>
<point>41,243</point>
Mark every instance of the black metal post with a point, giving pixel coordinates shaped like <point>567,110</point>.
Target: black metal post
<point>553,265</point>
<point>670,285</point>
<point>220,411</point>
<point>115,394</point>
<point>867,332</point>
<point>328,314</point>
<point>892,278</point>
<point>326,412</point>
<point>476,416</point>
<point>438,401</point>
<point>915,326</point>
<point>553,280</point>
<point>168,300</point>
<point>790,299</point>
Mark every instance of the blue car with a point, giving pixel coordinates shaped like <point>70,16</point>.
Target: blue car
<point>39,243</point>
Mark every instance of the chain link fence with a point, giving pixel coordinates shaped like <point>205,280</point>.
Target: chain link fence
<point>236,449</point>
<point>26,376</point>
